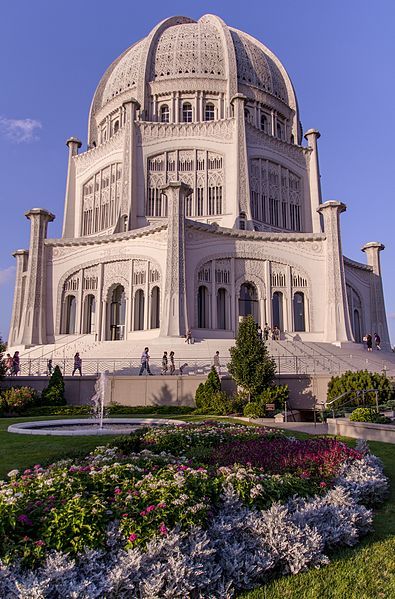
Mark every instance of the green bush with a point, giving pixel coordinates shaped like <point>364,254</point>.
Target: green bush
<point>206,391</point>
<point>278,395</point>
<point>53,394</point>
<point>17,399</point>
<point>254,409</point>
<point>368,415</point>
<point>357,381</point>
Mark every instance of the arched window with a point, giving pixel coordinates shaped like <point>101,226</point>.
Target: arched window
<point>69,315</point>
<point>89,314</point>
<point>299,317</point>
<point>248,301</point>
<point>221,309</point>
<point>139,310</point>
<point>203,308</point>
<point>357,326</point>
<point>187,112</point>
<point>277,310</point>
<point>209,113</point>
<point>279,130</point>
<point>116,126</point>
<point>264,122</point>
<point>117,313</point>
<point>164,114</point>
<point>155,308</point>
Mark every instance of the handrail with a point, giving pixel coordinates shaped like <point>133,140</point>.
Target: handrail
<point>356,393</point>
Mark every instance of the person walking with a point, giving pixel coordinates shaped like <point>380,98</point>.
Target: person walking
<point>188,336</point>
<point>216,362</point>
<point>145,362</point>
<point>266,332</point>
<point>260,332</point>
<point>377,341</point>
<point>8,364</point>
<point>164,363</point>
<point>77,364</point>
<point>49,367</point>
<point>276,333</point>
<point>172,365</point>
<point>369,342</point>
<point>16,366</point>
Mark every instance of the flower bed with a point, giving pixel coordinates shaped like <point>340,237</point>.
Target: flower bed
<point>155,524</point>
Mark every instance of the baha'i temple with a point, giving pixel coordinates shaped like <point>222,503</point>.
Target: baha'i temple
<point>197,201</point>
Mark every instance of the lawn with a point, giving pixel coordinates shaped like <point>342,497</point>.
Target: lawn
<point>365,572</point>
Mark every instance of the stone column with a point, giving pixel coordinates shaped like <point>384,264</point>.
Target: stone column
<point>378,319</point>
<point>312,135</point>
<point>174,313</point>
<point>129,206</point>
<point>337,327</point>
<point>69,205</point>
<point>17,306</point>
<point>241,169</point>
<point>33,324</point>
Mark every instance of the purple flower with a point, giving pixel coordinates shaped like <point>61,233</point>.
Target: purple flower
<point>24,519</point>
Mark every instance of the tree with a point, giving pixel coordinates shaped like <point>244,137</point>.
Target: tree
<point>251,366</point>
<point>53,394</point>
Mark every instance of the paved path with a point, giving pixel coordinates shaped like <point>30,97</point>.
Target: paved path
<point>299,427</point>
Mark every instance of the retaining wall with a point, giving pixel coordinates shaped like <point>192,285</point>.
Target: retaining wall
<point>361,430</point>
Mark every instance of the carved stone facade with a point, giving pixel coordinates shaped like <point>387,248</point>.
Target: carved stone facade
<point>194,204</point>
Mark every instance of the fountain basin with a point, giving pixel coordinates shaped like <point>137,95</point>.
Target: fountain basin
<point>86,426</point>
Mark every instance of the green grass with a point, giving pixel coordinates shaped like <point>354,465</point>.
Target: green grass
<point>364,572</point>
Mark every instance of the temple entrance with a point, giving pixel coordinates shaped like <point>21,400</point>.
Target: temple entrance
<point>89,314</point>
<point>139,306</point>
<point>248,301</point>
<point>299,317</point>
<point>117,314</point>
<point>277,310</point>
<point>69,314</point>
<point>155,308</point>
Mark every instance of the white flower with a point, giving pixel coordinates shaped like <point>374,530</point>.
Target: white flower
<point>13,473</point>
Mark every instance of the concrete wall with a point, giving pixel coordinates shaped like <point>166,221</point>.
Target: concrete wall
<point>78,390</point>
<point>361,430</point>
<point>305,391</point>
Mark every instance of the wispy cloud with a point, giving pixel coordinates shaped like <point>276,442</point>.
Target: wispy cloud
<point>19,130</point>
<point>6,274</point>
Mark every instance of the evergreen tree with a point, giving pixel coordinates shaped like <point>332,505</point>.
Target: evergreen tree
<point>53,394</point>
<point>251,366</point>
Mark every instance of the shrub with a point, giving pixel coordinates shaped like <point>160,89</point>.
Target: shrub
<point>54,393</point>
<point>206,391</point>
<point>251,366</point>
<point>277,395</point>
<point>18,399</point>
<point>368,415</point>
<point>254,409</point>
<point>3,347</point>
<point>357,381</point>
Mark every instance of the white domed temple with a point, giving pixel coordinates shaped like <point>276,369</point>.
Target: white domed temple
<point>195,203</point>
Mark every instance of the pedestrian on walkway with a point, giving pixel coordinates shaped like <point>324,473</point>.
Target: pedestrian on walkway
<point>260,332</point>
<point>49,367</point>
<point>266,332</point>
<point>8,364</point>
<point>276,333</point>
<point>182,368</point>
<point>216,363</point>
<point>369,342</point>
<point>145,362</point>
<point>77,364</point>
<point>172,365</point>
<point>16,367</point>
<point>188,336</point>
<point>164,363</point>
<point>377,341</point>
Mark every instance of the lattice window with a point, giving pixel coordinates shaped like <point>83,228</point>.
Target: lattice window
<point>72,284</point>
<point>187,112</point>
<point>278,279</point>
<point>298,280</point>
<point>101,200</point>
<point>164,113</point>
<point>204,274</point>
<point>209,113</point>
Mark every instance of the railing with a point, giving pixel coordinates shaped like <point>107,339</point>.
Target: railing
<point>299,365</point>
<point>353,396</point>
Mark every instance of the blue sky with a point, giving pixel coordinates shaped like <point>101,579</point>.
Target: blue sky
<point>340,56</point>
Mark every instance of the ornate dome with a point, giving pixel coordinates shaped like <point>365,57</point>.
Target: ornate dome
<point>207,49</point>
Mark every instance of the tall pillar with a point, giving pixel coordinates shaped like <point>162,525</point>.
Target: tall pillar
<point>17,306</point>
<point>174,313</point>
<point>337,327</point>
<point>268,285</point>
<point>33,324</point>
<point>312,136</point>
<point>378,317</point>
<point>69,205</point>
<point>129,206</point>
<point>243,203</point>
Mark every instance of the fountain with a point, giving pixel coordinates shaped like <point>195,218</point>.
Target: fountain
<point>97,425</point>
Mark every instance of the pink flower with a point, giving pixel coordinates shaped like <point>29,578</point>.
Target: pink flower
<point>39,543</point>
<point>125,515</point>
<point>132,537</point>
<point>150,508</point>
<point>322,484</point>
<point>27,471</point>
<point>163,529</point>
<point>161,506</point>
<point>143,513</point>
<point>117,491</point>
